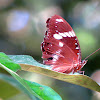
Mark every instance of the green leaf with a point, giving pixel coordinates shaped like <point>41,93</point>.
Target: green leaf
<point>6,61</point>
<point>18,92</point>
<point>81,80</point>
<point>40,91</point>
<point>25,59</point>
<point>45,92</point>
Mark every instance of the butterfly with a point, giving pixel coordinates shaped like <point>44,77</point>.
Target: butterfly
<point>60,47</point>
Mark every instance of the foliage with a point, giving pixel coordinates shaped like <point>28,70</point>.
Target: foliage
<point>27,63</point>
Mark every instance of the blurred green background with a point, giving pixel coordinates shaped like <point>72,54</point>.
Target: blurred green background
<point>22,28</point>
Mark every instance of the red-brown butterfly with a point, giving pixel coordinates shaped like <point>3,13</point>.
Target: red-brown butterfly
<point>60,47</point>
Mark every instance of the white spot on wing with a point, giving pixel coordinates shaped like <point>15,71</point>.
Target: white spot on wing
<point>77,47</point>
<point>76,44</point>
<point>58,51</point>
<point>67,34</point>
<point>59,20</point>
<point>63,34</point>
<point>78,53</point>
<point>55,57</point>
<point>76,39</point>
<point>56,30</point>
<point>75,64</point>
<point>73,33</point>
<point>61,44</point>
<point>57,36</point>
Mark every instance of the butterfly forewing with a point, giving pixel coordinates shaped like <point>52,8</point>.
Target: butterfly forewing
<point>60,47</point>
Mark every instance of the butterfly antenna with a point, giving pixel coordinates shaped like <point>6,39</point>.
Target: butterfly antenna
<point>92,53</point>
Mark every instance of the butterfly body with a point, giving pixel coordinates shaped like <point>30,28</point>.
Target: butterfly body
<point>60,47</point>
